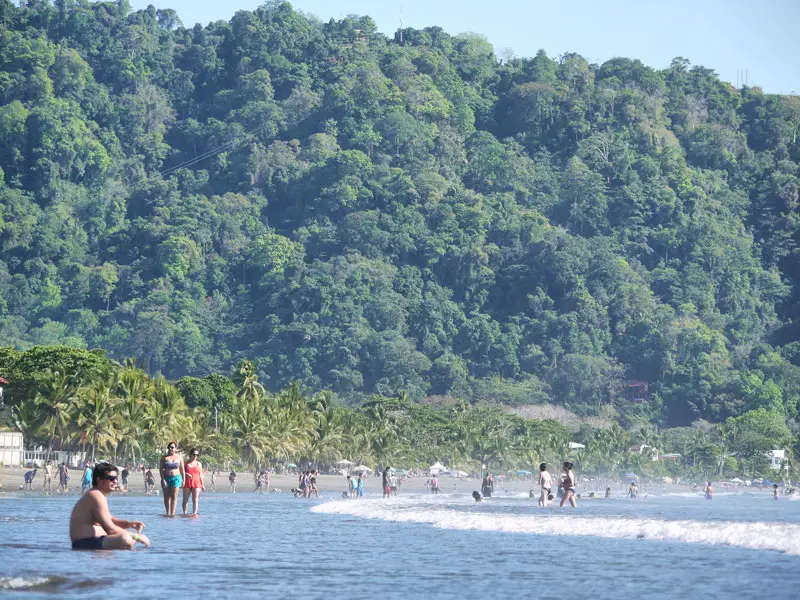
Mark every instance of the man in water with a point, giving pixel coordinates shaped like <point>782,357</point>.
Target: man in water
<point>709,491</point>
<point>487,487</point>
<point>774,491</point>
<point>92,527</point>
<point>232,481</point>
<point>633,492</point>
<point>546,485</point>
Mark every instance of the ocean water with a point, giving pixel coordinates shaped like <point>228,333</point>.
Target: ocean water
<point>742,545</point>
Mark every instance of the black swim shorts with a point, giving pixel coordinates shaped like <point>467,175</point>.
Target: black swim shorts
<point>90,543</point>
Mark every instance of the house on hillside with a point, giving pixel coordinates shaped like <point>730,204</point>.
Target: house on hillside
<point>645,449</point>
<point>635,391</point>
<point>776,458</point>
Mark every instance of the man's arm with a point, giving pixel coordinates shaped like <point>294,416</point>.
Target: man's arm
<point>103,515</point>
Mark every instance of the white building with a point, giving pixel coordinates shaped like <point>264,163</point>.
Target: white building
<point>11,448</point>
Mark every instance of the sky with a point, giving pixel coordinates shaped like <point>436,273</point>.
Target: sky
<point>728,36</point>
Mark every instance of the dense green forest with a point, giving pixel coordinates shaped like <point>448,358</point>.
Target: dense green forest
<point>371,215</point>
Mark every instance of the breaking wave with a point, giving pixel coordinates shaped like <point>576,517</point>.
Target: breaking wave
<point>780,537</point>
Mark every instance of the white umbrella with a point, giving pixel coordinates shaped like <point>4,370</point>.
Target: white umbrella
<point>436,468</point>
<point>361,469</point>
<point>344,462</point>
<point>736,480</point>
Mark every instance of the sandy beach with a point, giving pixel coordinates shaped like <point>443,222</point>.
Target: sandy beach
<point>13,479</point>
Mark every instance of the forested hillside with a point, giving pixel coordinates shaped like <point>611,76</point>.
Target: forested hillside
<point>369,215</point>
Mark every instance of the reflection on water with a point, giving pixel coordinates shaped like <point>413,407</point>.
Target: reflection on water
<point>255,546</point>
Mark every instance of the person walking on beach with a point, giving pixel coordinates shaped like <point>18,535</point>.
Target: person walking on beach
<point>63,478</point>
<point>194,481</point>
<point>435,484</point>
<point>213,480</point>
<point>709,491</point>
<point>91,525</point>
<point>393,484</point>
<point>172,476</point>
<point>86,480</point>
<point>149,481</point>
<point>124,476</point>
<point>545,485</point>
<point>568,484</point>
<point>48,476</point>
<point>232,481</point>
<point>387,487</point>
<point>360,486</point>
<point>774,491</point>
<point>487,486</point>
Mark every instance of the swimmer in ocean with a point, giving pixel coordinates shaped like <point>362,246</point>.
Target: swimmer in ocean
<point>709,491</point>
<point>774,491</point>
<point>477,496</point>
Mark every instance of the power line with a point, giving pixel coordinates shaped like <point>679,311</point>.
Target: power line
<point>208,154</point>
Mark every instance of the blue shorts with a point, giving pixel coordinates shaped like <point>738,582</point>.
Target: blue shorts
<point>174,481</point>
<point>90,543</point>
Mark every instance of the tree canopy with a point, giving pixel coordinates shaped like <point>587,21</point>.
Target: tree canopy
<point>372,215</point>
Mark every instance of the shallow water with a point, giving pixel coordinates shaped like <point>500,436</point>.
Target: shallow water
<point>445,546</point>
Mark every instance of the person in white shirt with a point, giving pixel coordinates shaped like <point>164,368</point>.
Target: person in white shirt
<point>546,485</point>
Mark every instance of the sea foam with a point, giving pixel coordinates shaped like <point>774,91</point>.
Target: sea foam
<point>780,537</point>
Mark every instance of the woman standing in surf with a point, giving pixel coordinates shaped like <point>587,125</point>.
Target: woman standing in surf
<point>194,481</point>
<point>171,469</point>
<point>569,486</point>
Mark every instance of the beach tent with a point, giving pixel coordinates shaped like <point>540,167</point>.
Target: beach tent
<point>362,469</point>
<point>436,468</point>
<point>462,473</point>
<point>344,463</point>
<point>736,480</point>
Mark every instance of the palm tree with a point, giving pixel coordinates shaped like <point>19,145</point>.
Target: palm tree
<point>97,411</point>
<point>167,412</point>
<point>56,401</point>
<point>136,392</point>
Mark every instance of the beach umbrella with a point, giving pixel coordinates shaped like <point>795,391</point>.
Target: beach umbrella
<point>292,466</point>
<point>362,469</point>
<point>523,472</point>
<point>736,480</point>
<point>344,462</point>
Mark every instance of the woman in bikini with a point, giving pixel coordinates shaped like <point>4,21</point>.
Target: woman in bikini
<point>569,486</point>
<point>171,469</point>
<point>194,481</point>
